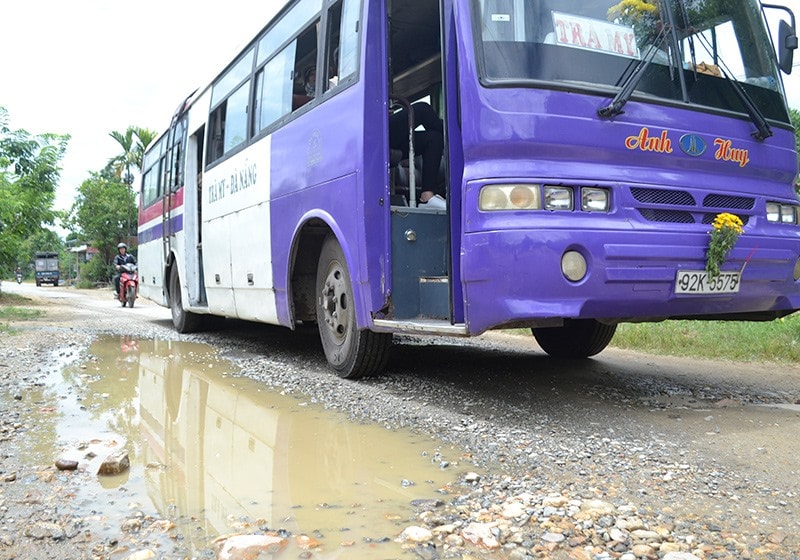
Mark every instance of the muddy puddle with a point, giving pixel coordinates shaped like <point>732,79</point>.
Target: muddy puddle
<point>215,454</point>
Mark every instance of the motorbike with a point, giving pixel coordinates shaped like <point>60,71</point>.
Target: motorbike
<point>19,278</point>
<point>128,284</point>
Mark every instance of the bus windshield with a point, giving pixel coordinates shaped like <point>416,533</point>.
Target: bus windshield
<point>594,45</point>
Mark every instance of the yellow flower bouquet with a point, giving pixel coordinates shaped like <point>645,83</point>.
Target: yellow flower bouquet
<point>726,229</point>
<point>642,15</point>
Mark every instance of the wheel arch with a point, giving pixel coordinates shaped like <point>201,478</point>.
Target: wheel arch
<point>303,259</point>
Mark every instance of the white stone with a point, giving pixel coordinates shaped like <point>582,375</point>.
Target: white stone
<point>680,556</point>
<point>237,547</point>
<point>145,554</point>
<point>598,506</point>
<point>512,510</point>
<point>555,501</point>
<point>617,535</point>
<point>415,534</point>
<point>553,537</point>
<point>645,535</point>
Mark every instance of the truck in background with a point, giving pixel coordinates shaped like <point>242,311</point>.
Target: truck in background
<point>46,265</point>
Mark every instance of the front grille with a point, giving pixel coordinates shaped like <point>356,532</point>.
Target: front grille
<point>708,219</point>
<point>662,196</point>
<point>680,206</point>
<point>728,201</point>
<point>669,216</point>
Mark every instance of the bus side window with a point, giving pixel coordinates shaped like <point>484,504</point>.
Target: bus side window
<point>229,123</point>
<point>274,88</point>
<point>150,190</point>
<point>215,132</point>
<point>229,100</point>
<point>342,42</point>
<point>305,58</point>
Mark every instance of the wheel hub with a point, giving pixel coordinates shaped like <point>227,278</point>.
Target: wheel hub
<point>333,301</point>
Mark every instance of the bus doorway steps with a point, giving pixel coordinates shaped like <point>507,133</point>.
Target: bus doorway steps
<point>434,297</point>
<point>419,265</point>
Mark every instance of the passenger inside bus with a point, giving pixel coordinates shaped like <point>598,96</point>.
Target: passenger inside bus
<point>302,96</point>
<point>310,76</point>
<point>428,143</point>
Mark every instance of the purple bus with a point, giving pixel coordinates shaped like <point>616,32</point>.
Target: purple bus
<point>447,167</point>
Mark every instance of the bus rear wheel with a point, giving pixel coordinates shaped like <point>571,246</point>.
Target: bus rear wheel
<point>183,321</point>
<point>350,351</point>
<point>578,338</point>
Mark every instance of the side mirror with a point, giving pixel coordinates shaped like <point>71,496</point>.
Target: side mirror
<point>787,37</point>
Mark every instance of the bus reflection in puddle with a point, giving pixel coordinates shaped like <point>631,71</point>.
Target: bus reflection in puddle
<point>222,453</point>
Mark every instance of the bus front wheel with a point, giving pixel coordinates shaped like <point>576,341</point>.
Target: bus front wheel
<point>350,351</point>
<point>182,320</point>
<point>578,338</point>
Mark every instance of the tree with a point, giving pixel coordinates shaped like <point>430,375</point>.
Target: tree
<point>29,174</point>
<point>134,142</point>
<point>794,116</point>
<point>101,211</point>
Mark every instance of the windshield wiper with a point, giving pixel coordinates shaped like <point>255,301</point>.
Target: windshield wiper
<point>669,31</point>
<point>632,80</point>
<point>763,131</point>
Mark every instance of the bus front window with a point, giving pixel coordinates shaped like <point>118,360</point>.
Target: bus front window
<point>592,45</point>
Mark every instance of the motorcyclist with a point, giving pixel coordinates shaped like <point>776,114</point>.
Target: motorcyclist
<point>18,274</point>
<point>122,258</point>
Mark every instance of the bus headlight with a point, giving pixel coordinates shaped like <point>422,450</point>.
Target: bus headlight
<point>797,270</point>
<point>510,197</point>
<point>573,266</point>
<point>788,215</point>
<point>773,212</point>
<point>558,198</point>
<point>781,213</point>
<point>594,200</point>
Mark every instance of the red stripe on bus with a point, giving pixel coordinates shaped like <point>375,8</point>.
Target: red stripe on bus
<point>154,210</point>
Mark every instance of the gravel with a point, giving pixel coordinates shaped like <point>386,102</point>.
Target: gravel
<point>586,479</point>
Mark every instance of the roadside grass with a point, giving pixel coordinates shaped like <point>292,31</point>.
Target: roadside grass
<point>14,308</point>
<point>773,341</point>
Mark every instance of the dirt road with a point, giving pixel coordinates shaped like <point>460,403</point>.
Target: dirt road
<point>693,458</point>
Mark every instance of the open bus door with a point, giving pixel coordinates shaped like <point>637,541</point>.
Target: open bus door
<point>420,242</point>
<point>181,211</point>
<point>193,228</point>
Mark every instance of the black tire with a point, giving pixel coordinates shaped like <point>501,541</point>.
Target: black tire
<point>578,338</point>
<point>183,321</point>
<point>130,295</point>
<point>351,352</point>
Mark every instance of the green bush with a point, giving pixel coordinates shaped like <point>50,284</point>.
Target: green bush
<point>94,271</point>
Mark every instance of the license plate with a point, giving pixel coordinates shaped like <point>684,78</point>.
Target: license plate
<point>697,282</point>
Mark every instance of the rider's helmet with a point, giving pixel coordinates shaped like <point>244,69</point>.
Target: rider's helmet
<point>121,245</point>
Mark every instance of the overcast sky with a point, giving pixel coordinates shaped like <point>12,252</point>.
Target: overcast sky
<point>87,67</point>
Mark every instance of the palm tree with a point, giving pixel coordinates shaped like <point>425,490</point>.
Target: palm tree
<point>144,136</point>
<point>134,142</point>
<point>123,162</point>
